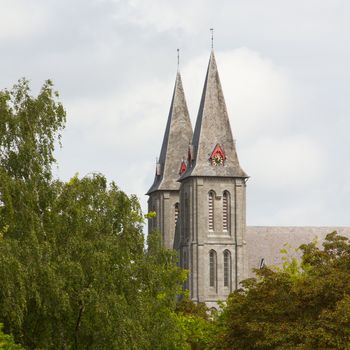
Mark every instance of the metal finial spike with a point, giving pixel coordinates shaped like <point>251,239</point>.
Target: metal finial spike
<point>212,37</point>
<point>178,58</point>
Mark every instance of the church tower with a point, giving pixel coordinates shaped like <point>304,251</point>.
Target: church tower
<point>164,193</point>
<point>211,229</point>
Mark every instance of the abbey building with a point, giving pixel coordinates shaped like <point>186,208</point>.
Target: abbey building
<point>199,195</point>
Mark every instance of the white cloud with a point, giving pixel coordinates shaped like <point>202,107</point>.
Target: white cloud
<point>121,118</point>
<point>188,16</point>
<point>286,92</point>
<point>119,135</point>
<point>20,19</point>
<point>258,94</point>
<point>128,127</point>
<point>294,162</point>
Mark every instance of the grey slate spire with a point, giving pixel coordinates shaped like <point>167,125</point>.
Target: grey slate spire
<point>212,129</point>
<point>178,135</point>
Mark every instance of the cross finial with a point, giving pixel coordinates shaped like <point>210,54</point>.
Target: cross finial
<point>178,58</point>
<point>212,37</point>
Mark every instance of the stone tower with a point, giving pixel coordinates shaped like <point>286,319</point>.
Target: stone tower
<point>164,193</point>
<point>211,229</point>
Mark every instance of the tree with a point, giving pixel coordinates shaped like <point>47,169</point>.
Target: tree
<point>305,305</point>
<point>28,130</point>
<point>196,322</point>
<point>74,273</point>
<point>7,342</point>
<point>162,281</point>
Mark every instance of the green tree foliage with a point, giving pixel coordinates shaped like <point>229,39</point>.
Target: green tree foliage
<point>197,323</point>
<point>29,128</point>
<point>162,281</point>
<point>7,342</point>
<point>302,306</point>
<point>74,273</point>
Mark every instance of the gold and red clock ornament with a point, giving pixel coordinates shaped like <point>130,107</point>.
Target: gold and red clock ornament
<point>183,167</point>
<point>217,157</point>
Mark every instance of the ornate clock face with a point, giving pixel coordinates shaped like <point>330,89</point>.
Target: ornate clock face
<point>217,157</point>
<point>217,160</point>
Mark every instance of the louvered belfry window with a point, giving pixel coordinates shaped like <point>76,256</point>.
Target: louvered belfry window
<point>227,268</point>
<point>211,211</point>
<point>176,212</point>
<point>212,268</point>
<point>225,211</point>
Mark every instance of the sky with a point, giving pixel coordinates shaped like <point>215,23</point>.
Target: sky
<point>284,68</point>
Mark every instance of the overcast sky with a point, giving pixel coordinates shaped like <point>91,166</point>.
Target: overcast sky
<point>284,67</point>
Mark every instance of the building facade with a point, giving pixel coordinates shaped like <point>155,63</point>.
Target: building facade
<point>199,196</point>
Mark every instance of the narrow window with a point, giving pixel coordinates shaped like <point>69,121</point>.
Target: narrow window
<point>185,265</point>
<point>225,210</point>
<point>183,219</point>
<point>152,221</point>
<point>187,215</point>
<point>176,212</point>
<point>157,218</point>
<point>211,211</point>
<point>212,268</point>
<point>227,268</point>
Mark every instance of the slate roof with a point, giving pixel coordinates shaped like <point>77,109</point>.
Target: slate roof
<point>212,128</point>
<point>177,137</point>
<point>266,242</point>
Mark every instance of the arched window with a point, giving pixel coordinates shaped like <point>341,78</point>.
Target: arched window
<point>176,212</point>
<point>212,268</point>
<point>227,268</point>
<point>211,211</point>
<point>225,211</point>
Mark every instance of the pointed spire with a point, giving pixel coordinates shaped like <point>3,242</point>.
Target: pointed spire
<point>213,145</point>
<point>178,135</point>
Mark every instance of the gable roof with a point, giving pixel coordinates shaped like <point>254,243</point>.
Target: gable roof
<point>266,242</point>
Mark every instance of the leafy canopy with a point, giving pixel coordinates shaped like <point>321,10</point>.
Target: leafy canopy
<point>7,342</point>
<point>302,306</point>
<point>73,270</point>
